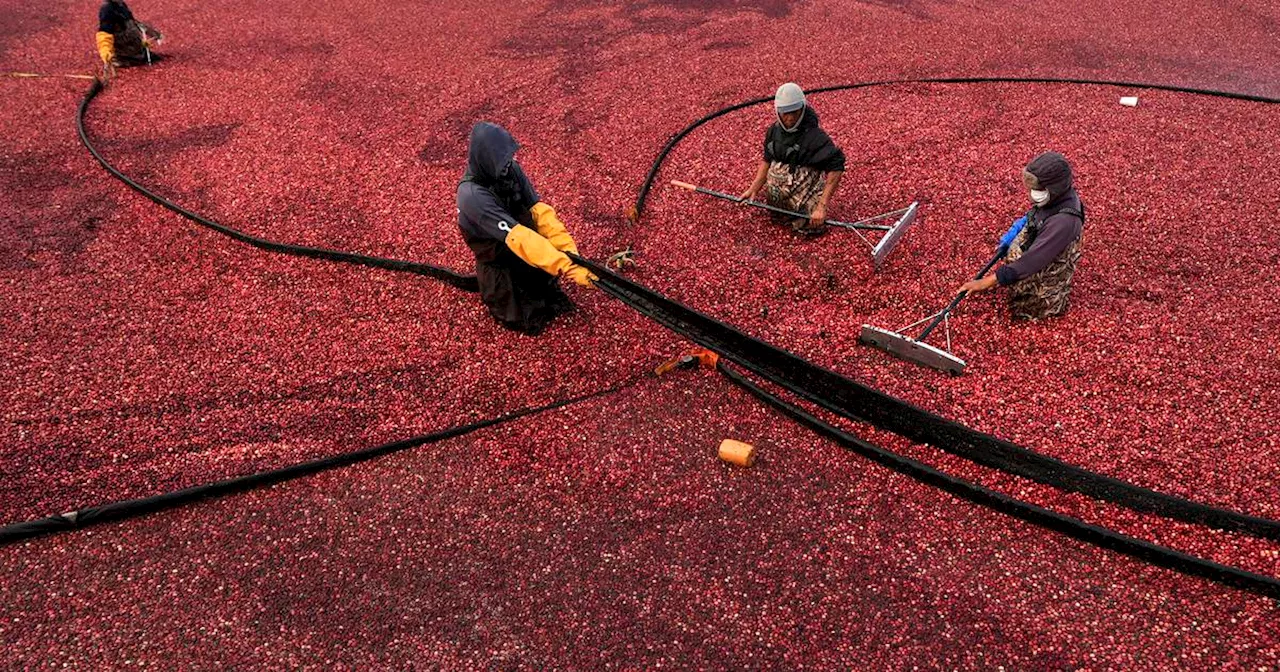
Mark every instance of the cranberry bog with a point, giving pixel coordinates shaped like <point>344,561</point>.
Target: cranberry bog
<point>144,354</point>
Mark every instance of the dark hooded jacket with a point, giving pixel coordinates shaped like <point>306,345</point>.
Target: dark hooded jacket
<point>113,17</point>
<point>808,145</point>
<point>1050,230</point>
<point>494,191</point>
<point>495,196</point>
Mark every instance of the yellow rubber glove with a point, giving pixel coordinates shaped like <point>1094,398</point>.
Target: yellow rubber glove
<point>536,250</point>
<point>106,46</point>
<point>581,275</point>
<point>551,228</point>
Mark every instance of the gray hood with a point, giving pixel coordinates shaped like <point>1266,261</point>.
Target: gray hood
<point>1054,174</point>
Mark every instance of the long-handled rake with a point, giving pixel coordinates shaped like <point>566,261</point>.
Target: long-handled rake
<point>915,349</point>
<point>879,250</point>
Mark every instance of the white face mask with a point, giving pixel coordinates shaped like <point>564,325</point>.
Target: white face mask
<point>791,129</point>
<point>1039,196</point>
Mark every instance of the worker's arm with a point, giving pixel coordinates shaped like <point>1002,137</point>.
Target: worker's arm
<point>538,251</point>
<point>762,174</point>
<point>1056,234</point>
<point>106,45</point>
<point>486,217</point>
<point>819,215</point>
<point>980,285</point>
<point>107,52</point>
<point>550,227</point>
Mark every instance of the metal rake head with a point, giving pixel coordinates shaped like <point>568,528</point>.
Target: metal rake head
<point>911,350</point>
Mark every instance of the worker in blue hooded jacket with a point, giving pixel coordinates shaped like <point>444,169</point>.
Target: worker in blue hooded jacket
<point>519,242</point>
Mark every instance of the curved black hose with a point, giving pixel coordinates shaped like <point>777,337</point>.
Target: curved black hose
<point>638,208</point>
<point>464,282</point>
<point>131,508</point>
<point>1102,537</point>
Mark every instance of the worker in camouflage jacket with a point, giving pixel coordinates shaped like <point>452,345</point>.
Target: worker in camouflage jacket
<point>1042,257</point>
<point>520,245</point>
<point>122,39</point>
<point>801,166</point>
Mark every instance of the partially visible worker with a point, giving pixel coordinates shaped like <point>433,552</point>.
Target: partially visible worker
<point>122,39</point>
<point>519,242</point>
<point>1042,258</point>
<point>801,166</point>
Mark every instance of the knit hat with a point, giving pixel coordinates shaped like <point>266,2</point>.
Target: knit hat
<point>790,97</point>
<point>1053,173</point>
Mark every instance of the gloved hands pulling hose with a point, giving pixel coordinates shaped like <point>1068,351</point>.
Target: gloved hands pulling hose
<point>538,251</point>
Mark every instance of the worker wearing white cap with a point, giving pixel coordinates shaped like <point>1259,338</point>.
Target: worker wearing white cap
<point>801,166</point>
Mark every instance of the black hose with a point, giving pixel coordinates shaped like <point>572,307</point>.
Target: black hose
<point>464,282</point>
<point>855,401</point>
<point>131,508</point>
<point>1101,537</point>
<point>638,208</point>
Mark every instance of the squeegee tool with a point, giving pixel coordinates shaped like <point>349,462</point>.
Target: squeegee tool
<point>891,233</point>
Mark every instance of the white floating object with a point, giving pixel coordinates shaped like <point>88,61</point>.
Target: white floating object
<point>1129,101</point>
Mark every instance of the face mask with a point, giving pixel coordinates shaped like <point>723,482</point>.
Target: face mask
<point>791,129</point>
<point>1039,196</point>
